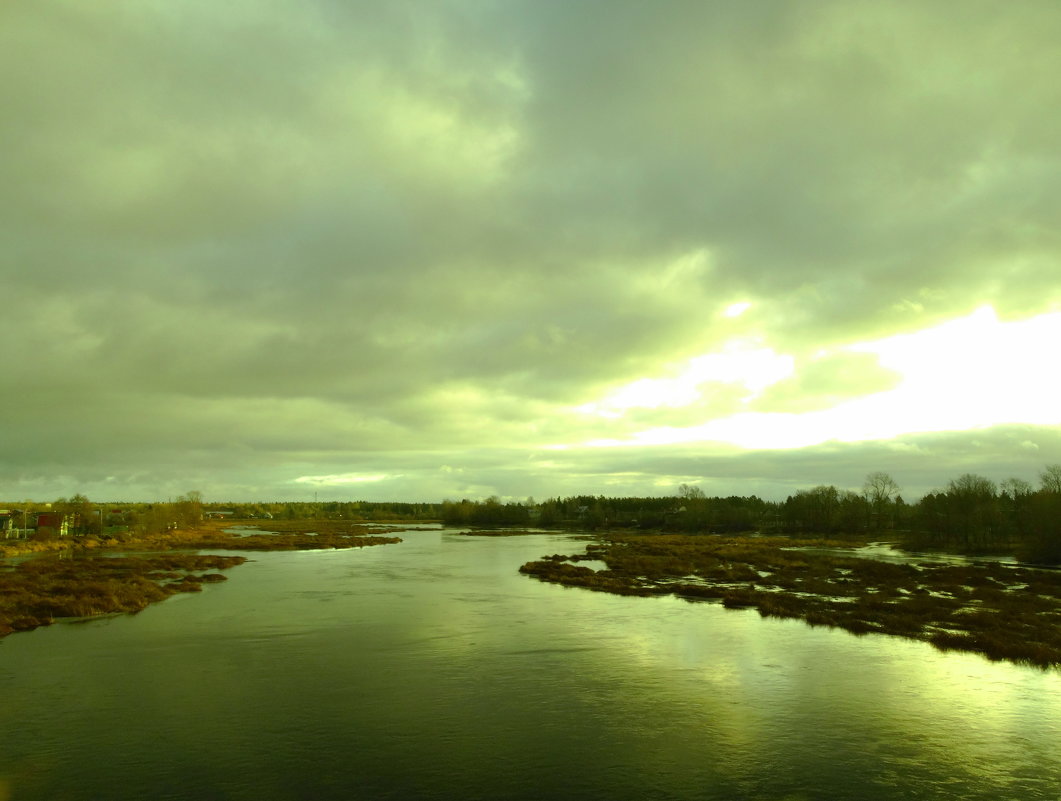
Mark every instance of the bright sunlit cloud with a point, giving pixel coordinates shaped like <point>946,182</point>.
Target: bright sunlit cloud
<point>972,372</point>
<point>736,309</point>
<point>751,367</point>
<point>342,479</point>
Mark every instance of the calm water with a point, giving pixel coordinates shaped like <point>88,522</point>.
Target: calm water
<point>433,670</point>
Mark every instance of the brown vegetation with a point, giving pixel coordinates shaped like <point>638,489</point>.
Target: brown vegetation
<point>291,535</point>
<point>298,535</point>
<point>1002,612</point>
<point>38,591</point>
<point>322,526</point>
<point>67,580</point>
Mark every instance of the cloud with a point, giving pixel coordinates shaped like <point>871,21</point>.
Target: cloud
<point>828,380</point>
<point>294,235</point>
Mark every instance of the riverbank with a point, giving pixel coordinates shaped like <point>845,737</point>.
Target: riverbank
<point>237,535</point>
<point>1001,611</point>
<point>73,578</point>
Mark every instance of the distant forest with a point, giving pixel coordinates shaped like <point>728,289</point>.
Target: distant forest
<point>971,515</point>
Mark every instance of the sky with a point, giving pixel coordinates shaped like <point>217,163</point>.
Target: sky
<point>286,249</point>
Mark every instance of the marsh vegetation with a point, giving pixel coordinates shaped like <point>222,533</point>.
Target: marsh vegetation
<point>36,592</point>
<point>1001,611</point>
<point>272,535</point>
<point>69,578</point>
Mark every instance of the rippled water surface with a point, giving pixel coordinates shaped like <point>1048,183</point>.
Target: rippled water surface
<point>434,670</point>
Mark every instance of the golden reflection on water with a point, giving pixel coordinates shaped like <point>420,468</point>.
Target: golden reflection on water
<point>743,679</point>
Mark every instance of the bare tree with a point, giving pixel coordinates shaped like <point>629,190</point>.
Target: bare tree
<point>970,485</point>
<point>1015,487</point>
<point>880,489</point>
<point>1050,478</point>
<point>690,493</point>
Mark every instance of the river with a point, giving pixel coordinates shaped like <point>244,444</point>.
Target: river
<point>432,669</point>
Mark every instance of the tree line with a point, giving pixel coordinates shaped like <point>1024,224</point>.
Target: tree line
<point>970,515</point>
<point>81,517</point>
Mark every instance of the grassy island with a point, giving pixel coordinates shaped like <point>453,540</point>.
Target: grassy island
<point>1001,611</point>
<point>272,535</point>
<point>71,578</point>
<point>39,591</point>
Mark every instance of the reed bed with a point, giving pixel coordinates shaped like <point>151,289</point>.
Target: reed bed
<point>66,579</point>
<point>999,611</point>
<point>286,535</point>
<point>40,591</point>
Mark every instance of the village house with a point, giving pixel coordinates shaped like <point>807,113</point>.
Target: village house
<point>15,524</point>
<point>52,523</point>
<point>219,514</point>
<point>8,528</point>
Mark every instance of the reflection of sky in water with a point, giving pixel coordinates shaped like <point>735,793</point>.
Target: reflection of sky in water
<point>433,669</point>
<point>885,552</point>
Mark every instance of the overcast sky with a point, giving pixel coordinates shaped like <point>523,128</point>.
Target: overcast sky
<point>454,248</point>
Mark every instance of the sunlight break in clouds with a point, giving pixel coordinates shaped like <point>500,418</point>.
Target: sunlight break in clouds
<point>972,372</point>
<point>737,309</point>
<point>342,479</point>
<point>741,363</point>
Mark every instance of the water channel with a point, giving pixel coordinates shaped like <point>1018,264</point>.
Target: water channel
<point>433,670</point>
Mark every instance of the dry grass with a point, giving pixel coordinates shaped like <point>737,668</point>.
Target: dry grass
<point>293,535</point>
<point>324,527</point>
<point>39,591</point>
<point>68,581</point>
<point>999,611</point>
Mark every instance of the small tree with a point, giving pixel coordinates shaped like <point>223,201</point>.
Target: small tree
<point>852,513</point>
<point>82,518</point>
<point>815,510</point>
<point>1050,479</point>
<point>1015,487</point>
<point>879,490</point>
<point>973,510</point>
<point>690,493</point>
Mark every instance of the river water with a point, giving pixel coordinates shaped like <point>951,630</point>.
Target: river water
<point>433,670</point>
